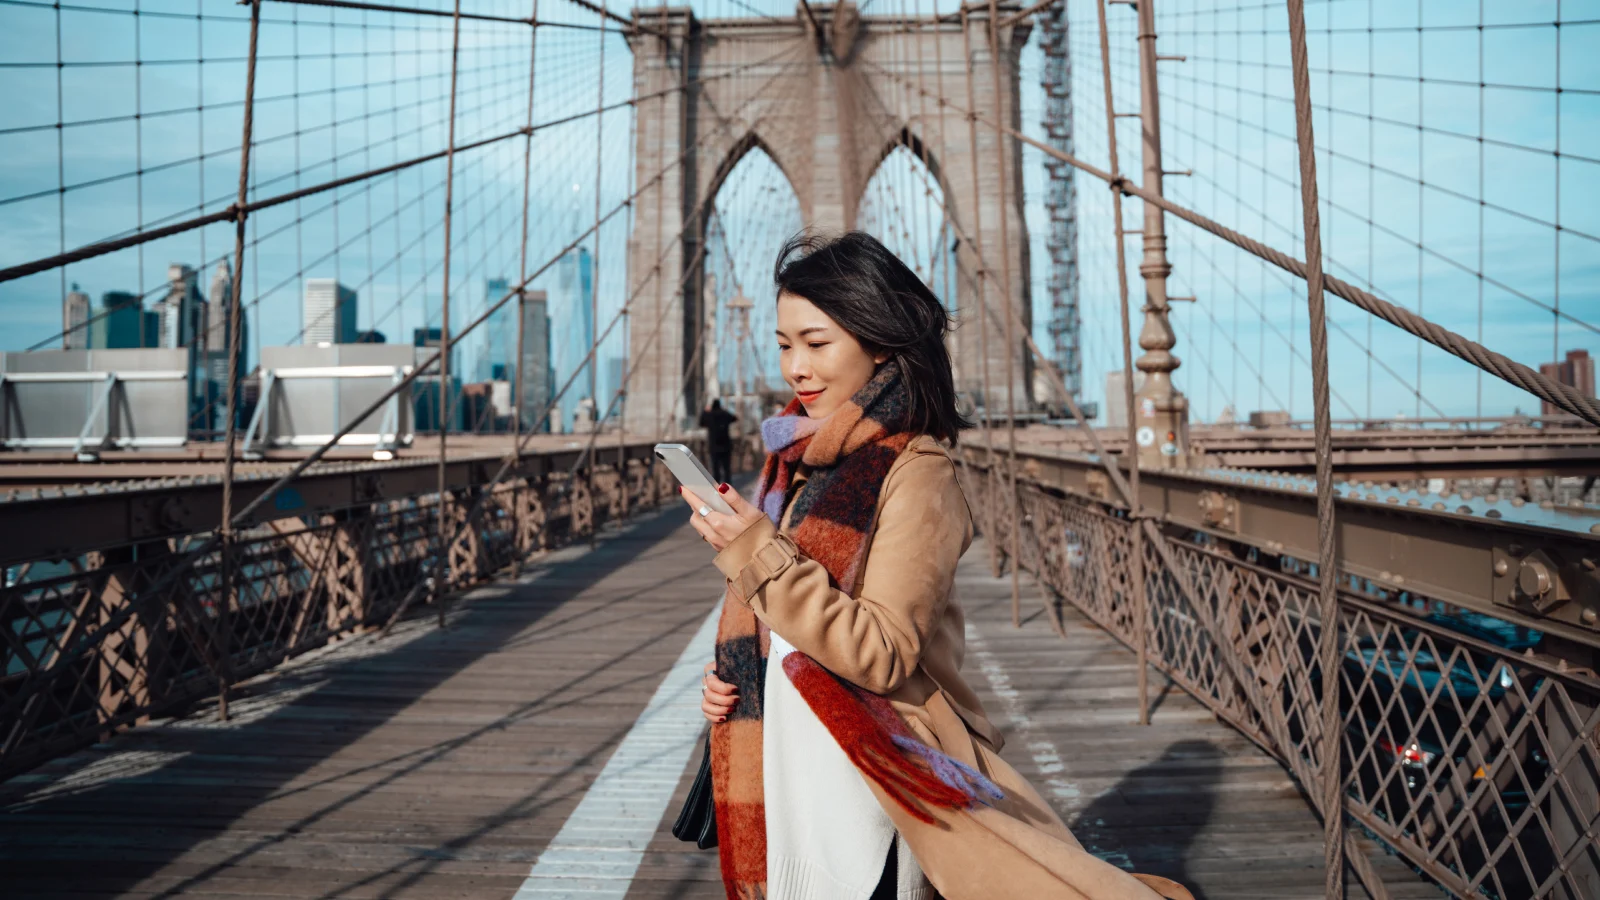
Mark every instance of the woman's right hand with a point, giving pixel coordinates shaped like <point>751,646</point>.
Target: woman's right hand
<point>717,697</point>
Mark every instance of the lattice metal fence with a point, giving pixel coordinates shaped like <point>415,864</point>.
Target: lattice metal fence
<point>1476,764</point>
<point>103,645</point>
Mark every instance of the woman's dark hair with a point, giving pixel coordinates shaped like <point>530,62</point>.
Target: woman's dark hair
<point>857,282</point>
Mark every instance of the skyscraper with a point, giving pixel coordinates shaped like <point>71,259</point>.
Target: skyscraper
<point>497,343</point>
<point>221,306</point>
<point>427,340</point>
<point>425,390</point>
<point>535,368</point>
<point>616,369</point>
<point>75,320</point>
<point>572,321</point>
<point>182,315</point>
<point>121,324</point>
<point>330,313</point>
<point>182,312</point>
<point>216,354</point>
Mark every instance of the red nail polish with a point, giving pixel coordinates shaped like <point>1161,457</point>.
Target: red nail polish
<point>724,487</point>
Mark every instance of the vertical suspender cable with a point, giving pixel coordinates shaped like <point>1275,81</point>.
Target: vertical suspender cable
<point>1131,452</point>
<point>983,300</point>
<point>521,385</point>
<point>627,318</point>
<point>1008,296</point>
<point>661,199</point>
<point>594,262</point>
<point>441,571</point>
<point>235,312</point>
<point>1327,580</point>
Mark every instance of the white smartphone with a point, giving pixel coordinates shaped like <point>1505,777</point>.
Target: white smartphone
<point>686,467</point>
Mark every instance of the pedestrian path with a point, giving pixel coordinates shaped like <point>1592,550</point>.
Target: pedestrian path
<point>541,743</point>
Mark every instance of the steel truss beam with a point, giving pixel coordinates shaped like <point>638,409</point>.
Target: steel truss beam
<point>65,524</point>
<point>1459,554</point>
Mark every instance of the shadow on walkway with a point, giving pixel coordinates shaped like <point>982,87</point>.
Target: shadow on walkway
<point>132,828</point>
<point>1149,821</point>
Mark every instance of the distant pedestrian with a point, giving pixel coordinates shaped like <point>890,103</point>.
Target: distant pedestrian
<point>715,420</point>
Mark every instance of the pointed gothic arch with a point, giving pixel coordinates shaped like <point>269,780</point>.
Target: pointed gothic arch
<point>826,124</point>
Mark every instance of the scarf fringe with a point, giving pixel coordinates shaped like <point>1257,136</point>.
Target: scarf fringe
<point>907,769</point>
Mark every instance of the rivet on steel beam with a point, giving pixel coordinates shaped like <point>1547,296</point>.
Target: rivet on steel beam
<point>1595,528</point>
<point>1466,495</point>
<point>1493,513</point>
<point>1518,501</point>
<point>1501,567</point>
<point>1492,498</point>
<point>1391,499</point>
<point>1413,502</point>
<point>1438,506</point>
<point>1464,510</point>
<point>1533,578</point>
<point>1589,616</point>
<point>1546,504</point>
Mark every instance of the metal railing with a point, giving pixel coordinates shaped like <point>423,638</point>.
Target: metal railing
<point>1470,755</point>
<point>67,681</point>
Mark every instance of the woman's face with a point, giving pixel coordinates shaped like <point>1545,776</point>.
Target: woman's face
<point>824,363</point>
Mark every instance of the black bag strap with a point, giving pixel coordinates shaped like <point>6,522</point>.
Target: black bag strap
<point>697,821</point>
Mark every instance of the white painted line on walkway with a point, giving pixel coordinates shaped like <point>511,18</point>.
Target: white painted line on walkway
<point>1041,748</point>
<point>599,848</point>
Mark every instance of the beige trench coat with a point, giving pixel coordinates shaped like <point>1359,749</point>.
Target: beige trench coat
<point>901,634</point>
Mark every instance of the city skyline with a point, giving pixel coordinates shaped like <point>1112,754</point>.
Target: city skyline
<point>1487,274</point>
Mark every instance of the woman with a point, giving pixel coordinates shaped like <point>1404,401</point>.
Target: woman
<point>849,757</point>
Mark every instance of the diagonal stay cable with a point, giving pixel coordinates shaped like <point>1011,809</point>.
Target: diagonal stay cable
<point>445,13</point>
<point>511,459</point>
<point>1153,533</point>
<point>228,214</point>
<point>37,681</point>
<point>1518,375</point>
<point>694,262</point>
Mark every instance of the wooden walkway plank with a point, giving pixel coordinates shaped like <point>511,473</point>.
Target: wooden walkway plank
<point>444,764</point>
<point>433,763</point>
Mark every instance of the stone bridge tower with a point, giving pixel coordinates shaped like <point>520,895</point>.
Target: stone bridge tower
<point>827,112</point>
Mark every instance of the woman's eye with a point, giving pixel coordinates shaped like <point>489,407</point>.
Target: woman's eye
<point>816,345</point>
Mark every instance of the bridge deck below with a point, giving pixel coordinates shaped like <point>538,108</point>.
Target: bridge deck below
<point>446,763</point>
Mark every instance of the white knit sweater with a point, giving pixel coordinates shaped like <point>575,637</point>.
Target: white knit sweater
<point>827,837</point>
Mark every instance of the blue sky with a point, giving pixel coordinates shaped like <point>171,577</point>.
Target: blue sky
<point>344,91</point>
<point>1227,115</point>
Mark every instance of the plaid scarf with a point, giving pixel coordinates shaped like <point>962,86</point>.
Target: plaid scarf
<point>848,454</point>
